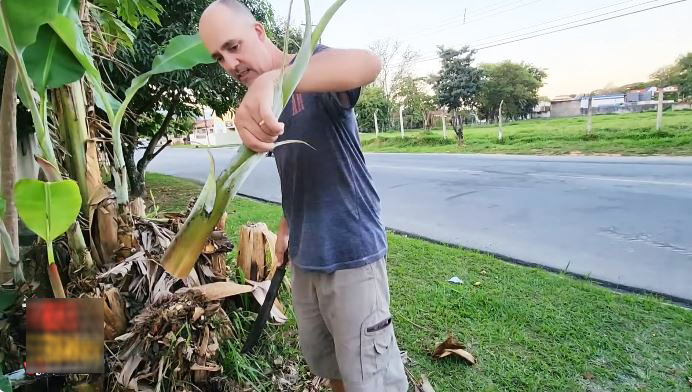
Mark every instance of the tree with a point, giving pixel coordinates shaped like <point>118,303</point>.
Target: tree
<point>684,77</point>
<point>396,63</point>
<point>178,94</point>
<point>516,84</point>
<point>410,92</point>
<point>458,85</point>
<point>372,101</point>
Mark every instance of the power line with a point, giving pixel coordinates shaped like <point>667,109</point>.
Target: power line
<point>583,24</point>
<point>569,23</point>
<point>513,39</point>
<point>433,55</point>
<point>457,20</point>
<point>470,11</point>
<point>555,20</point>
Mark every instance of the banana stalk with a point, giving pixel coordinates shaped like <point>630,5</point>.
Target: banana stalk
<point>70,108</point>
<point>39,117</point>
<point>182,254</point>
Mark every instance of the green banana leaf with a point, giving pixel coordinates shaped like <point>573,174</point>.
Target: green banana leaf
<point>25,17</point>
<point>47,208</point>
<point>68,26</point>
<point>182,52</point>
<point>49,62</point>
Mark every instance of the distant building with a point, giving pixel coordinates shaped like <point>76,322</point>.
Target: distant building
<point>601,101</point>
<point>565,106</point>
<point>211,130</point>
<point>542,110</point>
<point>646,94</point>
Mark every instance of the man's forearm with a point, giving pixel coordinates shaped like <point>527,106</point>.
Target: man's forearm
<point>334,70</point>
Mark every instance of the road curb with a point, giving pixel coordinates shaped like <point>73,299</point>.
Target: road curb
<point>687,303</point>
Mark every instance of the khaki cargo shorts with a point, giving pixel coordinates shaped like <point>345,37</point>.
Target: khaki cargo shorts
<point>345,328</point>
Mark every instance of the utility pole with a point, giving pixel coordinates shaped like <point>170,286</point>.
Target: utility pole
<point>313,29</point>
<point>377,130</point>
<point>444,125</point>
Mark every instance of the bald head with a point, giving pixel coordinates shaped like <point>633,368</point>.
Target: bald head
<point>236,40</point>
<point>238,8</point>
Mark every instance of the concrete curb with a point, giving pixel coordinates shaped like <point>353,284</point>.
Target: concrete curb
<point>687,303</point>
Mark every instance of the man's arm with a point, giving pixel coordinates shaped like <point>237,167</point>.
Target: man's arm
<point>331,70</point>
<point>334,70</point>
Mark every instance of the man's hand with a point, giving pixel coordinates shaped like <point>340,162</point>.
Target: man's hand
<point>256,124</point>
<point>281,241</point>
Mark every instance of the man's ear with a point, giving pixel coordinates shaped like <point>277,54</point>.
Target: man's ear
<point>259,30</point>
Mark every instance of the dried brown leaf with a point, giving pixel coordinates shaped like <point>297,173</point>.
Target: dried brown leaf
<point>260,293</point>
<point>197,314</point>
<point>209,368</point>
<point>425,385</point>
<point>218,290</point>
<point>452,346</point>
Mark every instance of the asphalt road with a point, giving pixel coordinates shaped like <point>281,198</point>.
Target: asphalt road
<point>626,221</point>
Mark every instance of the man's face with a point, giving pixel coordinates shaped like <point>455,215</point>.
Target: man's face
<point>236,43</point>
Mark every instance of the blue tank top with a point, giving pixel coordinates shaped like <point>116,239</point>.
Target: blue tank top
<point>328,198</point>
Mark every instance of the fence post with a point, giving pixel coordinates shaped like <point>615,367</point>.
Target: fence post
<point>401,120</point>
<point>499,115</point>
<point>659,115</point>
<point>589,114</point>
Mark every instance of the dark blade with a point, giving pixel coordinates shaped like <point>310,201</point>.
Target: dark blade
<point>266,308</point>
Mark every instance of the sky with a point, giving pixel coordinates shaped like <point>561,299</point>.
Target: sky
<point>610,53</point>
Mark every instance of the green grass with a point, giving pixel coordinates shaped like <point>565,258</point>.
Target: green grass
<point>626,134</point>
<point>530,330</point>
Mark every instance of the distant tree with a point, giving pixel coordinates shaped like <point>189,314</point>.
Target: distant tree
<point>373,100</point>
<point>458,85</point>
<point>516,84</point>
<point>396,64</point>
<point>411,93</point>
<point>666,76</point>
<point>684,77</point>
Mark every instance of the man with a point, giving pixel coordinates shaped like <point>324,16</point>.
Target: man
<point>331,209</point>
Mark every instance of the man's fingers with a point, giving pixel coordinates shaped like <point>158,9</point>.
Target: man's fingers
<point>259,134</point>
<point>252,142</point>
<point>268,122</point>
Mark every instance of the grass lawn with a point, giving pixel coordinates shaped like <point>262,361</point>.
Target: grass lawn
<point>626,134</point>
<point>530,330</point>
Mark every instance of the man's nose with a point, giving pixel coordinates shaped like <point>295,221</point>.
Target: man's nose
<point>230,63</point>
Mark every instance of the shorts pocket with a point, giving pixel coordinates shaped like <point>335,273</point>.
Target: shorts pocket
<point>376,339</point>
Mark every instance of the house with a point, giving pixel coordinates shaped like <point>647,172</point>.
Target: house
<point>565,106</point>
<point>602,101</point>
<point>542,110</point>
<point>211,130</point>
<point>646,94</point>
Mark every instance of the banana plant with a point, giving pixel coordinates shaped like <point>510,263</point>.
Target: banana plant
<point>10,250</point>
<point>20,24</point>
<point>182,254</point>
<point>48,209</point>
<point>60,56</point>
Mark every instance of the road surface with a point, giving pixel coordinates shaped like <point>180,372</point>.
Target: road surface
<point>626,221</point>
